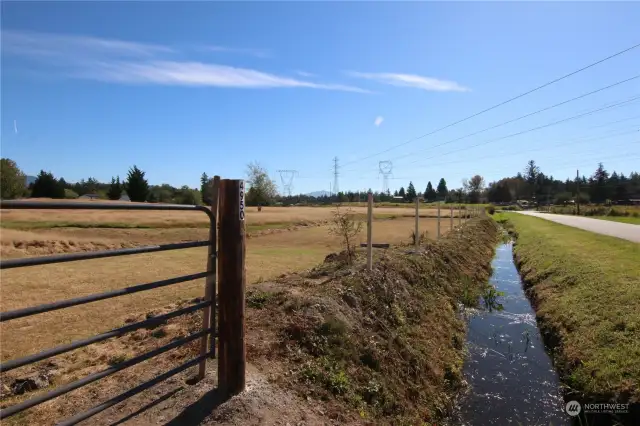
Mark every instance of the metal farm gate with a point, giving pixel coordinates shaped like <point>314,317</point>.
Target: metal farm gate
<point>230,298</point>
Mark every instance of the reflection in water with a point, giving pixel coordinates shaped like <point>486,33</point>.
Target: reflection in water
<point>511,378</point>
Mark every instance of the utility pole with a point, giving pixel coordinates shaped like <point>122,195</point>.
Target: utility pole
<point>335,175</point>
<point>369,230</point>
<point>417,235</point>
<point>578,189</point>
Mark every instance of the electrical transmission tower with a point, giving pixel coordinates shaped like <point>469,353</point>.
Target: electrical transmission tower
<point>385,168</point>
<point>335,175</point>
<point>286,176</point>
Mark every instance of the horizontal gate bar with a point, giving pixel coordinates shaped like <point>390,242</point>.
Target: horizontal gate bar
<point>52,205</point>
<point>128,394</point>
<point>15,363</point>
<point>14,409</point>
<point>70,257</point>
<point>19,313</point>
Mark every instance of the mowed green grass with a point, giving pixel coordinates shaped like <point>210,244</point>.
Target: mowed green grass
<point>586,290</point>
<point>623,219</point>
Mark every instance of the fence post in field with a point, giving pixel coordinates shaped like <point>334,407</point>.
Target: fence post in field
<point>369,231</point>
<point>417,235</point>
<point>231,258</point>
<point>459,215</point>
<point>439,219</point>
<point>451,218</point>
<point>209,313</point>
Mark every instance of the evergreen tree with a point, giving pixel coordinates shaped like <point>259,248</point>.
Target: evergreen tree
<point>620,189</point>
<point>442,189</point>
<point>430,194</point>
<point>47,186</point>
<point>401,192</point>
<point>115,189</point>
<point>411,192</point>
<point>598,188</point>
<point>137,186</point>
<point>205,189</point>
<point>531,173</point>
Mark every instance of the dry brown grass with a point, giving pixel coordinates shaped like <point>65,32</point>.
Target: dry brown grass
<point>169,219</point>
<point>267,256</point>
<point>74,279</point>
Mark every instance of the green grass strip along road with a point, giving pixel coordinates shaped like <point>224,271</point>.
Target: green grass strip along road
<point>622,219</point>
<point>586,290</point>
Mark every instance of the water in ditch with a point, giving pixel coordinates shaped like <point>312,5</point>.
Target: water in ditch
<point>511,377</point>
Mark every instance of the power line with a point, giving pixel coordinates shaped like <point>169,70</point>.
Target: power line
<point>576,141</point>
<point>604,107</point>
<point>571,141</point>
<point>575,117</point>
<point>500,104</point>
<point>559,143</point>
<point>519,118</point>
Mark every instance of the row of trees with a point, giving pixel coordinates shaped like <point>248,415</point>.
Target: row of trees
<point>429,194</point>
<point>135,186</point>
<point>533,185</point>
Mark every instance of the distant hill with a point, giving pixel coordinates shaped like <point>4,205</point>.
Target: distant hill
<point>319,194</point>
<point>30,179</point>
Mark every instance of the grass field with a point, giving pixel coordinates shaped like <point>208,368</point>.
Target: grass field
<point>622,219</point>
<point>272,216</point>
<point>268,255</point>
<point>586,288</point>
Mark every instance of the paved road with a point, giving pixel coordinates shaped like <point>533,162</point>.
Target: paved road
<point>626,231</point>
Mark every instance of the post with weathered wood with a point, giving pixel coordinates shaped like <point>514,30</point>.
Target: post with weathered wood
<point>369,231</point>
<point>209,313</point>
<point>231,263</point>
<point>417,235</point>
<point>439,219</point>
<point>459,215</point>
<point>451,218</point>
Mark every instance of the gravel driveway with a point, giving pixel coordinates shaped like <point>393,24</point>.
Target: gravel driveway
<point>625,231</point>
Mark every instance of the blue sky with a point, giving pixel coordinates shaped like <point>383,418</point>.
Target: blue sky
<point>91,88</point>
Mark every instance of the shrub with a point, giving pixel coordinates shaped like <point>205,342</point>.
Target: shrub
<point>490,209</point>
<point>69,193</point>
<point>347,228</point>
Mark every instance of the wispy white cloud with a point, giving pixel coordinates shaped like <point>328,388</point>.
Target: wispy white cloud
<point>15,126</point>
<point>258,53</point>
<point>119,61</point>
<point>305,74</point>
<point>379,120</point>
<point>36,44</point>
<point>179,73</point>
<point>411,80</point>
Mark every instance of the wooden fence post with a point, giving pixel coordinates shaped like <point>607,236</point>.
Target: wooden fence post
<point>451,218</point>
<point>369,231</point>
<point>209,313</point>
<point>459,215</point>
<point>231,263</point>
<point>417,234</point>
<point>439,219</point>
